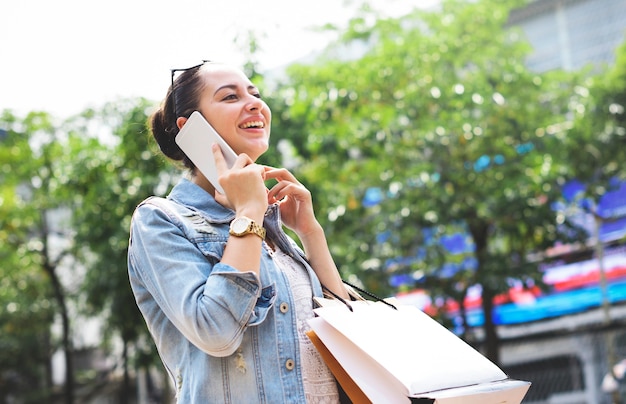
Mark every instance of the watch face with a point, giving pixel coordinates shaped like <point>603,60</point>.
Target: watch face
<point>240,225</point>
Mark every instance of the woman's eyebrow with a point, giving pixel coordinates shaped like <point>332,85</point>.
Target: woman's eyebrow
<point>234,87</point>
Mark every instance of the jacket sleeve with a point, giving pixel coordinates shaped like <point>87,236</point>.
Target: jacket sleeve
<point>210,303</point>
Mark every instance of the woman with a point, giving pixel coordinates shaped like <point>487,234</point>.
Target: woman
<point>227,308</point>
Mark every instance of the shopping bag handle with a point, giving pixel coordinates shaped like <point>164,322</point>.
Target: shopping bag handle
<point>365,292</point>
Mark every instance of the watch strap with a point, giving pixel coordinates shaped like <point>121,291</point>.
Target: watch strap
<point>251,228</point>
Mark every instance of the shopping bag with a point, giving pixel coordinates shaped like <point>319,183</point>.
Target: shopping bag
<point>351,389</point>
<point>398,354</point>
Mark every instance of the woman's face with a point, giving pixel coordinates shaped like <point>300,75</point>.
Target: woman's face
<point>233,106</point>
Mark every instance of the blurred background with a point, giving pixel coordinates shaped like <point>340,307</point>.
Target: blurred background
<point>467,157</point>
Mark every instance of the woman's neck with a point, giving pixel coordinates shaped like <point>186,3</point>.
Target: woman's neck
<point>200,180</point>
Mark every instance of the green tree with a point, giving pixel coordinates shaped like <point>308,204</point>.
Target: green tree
<point>108,183</point>
<point>36,243</point>
<point>27,312</point>
<point>438,118</point>
<point>596,142</point>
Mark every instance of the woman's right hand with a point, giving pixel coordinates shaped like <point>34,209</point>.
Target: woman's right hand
<point>245,193</point>
<point>243,184</point>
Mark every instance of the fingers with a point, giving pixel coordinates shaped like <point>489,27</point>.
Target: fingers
<point>242,160</point>
<point>218,156</point>
<point>243,183</point>
<point>287,184</point>
<point>279,174</point>
<point>277,192</point>
<point>287,188</point>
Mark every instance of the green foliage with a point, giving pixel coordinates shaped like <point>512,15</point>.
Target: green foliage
<point>433,95</point>
<point>107,184</point>
<point>437,112</point>
<point>25,320</point>
<point>26,310</point>
<point>68,192</point>
<point>30,249</point>
<point>597,143</point>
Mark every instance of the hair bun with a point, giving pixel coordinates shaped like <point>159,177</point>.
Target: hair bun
<point>166,136</point>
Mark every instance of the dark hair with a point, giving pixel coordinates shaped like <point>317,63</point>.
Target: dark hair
<point>182,99</point>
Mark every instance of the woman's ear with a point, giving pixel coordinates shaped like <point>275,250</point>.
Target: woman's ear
<point>180,121</point>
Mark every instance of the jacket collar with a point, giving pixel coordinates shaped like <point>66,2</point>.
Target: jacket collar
<point>196,198</point>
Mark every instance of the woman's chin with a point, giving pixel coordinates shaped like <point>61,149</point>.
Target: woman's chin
<point>257,150</point>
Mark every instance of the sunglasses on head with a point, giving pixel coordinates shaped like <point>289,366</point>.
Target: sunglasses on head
<point>174,71</point>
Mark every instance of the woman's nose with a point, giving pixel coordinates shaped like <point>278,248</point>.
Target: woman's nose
<point>255,104</point>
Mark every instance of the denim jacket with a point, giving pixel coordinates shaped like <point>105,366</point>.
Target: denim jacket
<point>225,336</point>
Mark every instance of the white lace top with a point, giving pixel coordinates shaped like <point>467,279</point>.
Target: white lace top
<point>319,384</point>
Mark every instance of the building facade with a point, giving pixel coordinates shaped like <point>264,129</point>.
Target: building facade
<point>570,34</point>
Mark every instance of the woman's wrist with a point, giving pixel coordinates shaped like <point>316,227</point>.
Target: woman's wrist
<point>252,212</point>
<point>311,232</point>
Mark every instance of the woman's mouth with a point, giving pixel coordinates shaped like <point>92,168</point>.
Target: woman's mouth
<point>252,124</point>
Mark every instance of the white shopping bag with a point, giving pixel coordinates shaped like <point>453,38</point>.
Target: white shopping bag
<point>402,355</point>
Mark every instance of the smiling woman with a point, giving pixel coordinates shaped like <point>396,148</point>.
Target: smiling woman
<point>225,292</point>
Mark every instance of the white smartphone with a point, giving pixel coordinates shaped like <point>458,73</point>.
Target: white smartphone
<point>195,139</point>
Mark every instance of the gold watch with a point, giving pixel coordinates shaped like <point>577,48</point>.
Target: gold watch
<point>244,225</point>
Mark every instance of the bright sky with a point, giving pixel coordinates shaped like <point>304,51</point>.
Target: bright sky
<point>62,56</point>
